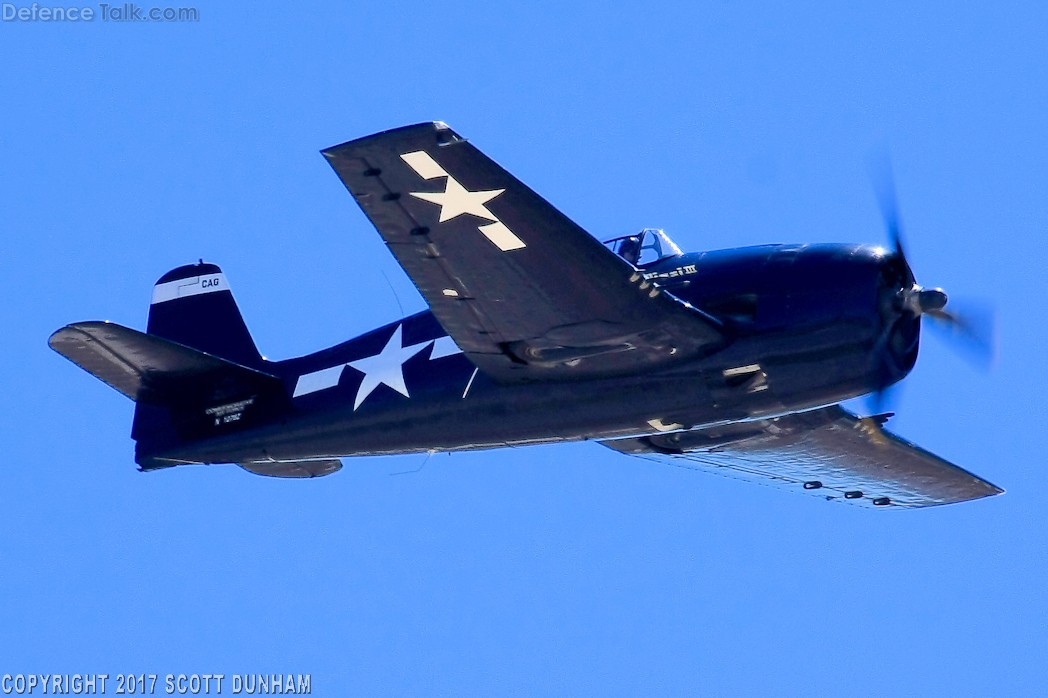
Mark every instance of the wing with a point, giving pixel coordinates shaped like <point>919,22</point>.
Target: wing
<point>525,292</point>
<point>828,452</point>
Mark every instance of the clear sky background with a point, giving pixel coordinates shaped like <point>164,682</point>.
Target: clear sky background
<point>129,149</point>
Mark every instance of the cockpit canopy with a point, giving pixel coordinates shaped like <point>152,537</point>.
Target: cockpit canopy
<point>646,247</point>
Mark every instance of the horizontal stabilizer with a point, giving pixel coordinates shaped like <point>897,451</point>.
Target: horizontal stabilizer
<point>149,369</point>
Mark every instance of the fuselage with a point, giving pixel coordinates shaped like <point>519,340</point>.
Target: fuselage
<point>808,326</point>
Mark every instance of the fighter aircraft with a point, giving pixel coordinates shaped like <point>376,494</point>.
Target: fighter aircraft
<point>732,361</point>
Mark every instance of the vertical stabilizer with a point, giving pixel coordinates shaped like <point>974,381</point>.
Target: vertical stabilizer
<point>193,305</point>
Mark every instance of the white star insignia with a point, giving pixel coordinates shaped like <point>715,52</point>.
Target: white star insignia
<point>386,367</point>
<point>456,200</point>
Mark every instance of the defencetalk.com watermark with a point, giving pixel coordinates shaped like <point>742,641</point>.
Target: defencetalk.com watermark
<point>104,12</point>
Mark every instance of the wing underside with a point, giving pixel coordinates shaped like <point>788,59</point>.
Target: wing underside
<point>827,452</point>
<point>525,292</point>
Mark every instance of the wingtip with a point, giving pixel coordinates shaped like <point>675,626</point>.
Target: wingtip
<point>989,490</point>
<point>437,127</point>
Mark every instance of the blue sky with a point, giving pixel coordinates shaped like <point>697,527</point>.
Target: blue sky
<point>129,149</point>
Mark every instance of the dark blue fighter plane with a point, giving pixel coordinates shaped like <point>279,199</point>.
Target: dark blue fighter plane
<point>731,361</point>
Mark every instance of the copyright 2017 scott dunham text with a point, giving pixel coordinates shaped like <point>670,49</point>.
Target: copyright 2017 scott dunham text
<point>156,684</point>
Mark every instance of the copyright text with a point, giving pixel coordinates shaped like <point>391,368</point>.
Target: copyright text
<point>156,684</point>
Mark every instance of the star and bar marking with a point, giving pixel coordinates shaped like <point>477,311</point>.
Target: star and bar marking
<point>383,368</point>
<point>386,367</point>
<point>456,200</point>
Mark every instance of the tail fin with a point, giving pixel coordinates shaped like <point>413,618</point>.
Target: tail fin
<point>194,374</point>
<point>193,305</point>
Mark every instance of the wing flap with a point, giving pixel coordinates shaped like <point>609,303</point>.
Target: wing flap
<point>828,452</point>
<point>526,293</point>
